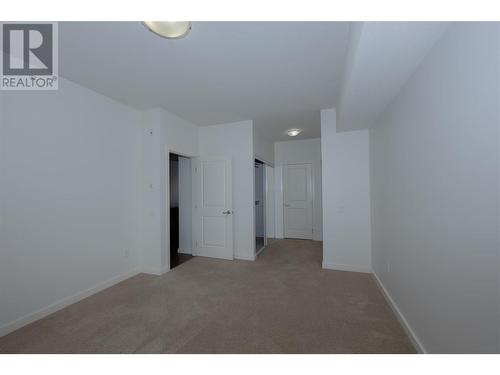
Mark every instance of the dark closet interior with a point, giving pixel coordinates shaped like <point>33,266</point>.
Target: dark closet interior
<point>176,258</point>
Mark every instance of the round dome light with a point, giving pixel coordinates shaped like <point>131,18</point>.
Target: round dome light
<point>169,30</point>
<point>293,132</point>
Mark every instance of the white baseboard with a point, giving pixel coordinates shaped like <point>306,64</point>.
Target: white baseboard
<point>402,320</point>
<point>185,251</point>
<point>244,256</point>
<point>62,303</point>
<point>157,271</point>
<point>345,267</point>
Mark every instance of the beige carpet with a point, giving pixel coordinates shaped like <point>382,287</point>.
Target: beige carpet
<point>282,303</point>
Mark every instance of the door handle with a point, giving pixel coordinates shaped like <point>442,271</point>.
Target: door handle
<point>287,205</point>
<point>226,212</point>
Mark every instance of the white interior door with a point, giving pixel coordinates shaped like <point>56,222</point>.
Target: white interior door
<point>212,208</point>
<point>298,201</point>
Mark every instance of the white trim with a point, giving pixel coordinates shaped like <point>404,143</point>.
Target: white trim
<point>346,267</point>
<point>255,156</point>
<point>402,320</point>
<point>155,271</point>
<point>62,303</point>
<point>185,251</point>
<point>244,256</point>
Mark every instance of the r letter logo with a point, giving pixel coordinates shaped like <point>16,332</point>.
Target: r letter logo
<point>29,56</point>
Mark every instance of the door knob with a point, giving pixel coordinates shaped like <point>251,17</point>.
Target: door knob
<point>227,212</point>
<point>287,205</point>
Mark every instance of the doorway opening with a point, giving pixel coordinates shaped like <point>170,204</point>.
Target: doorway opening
<point>180,209</point>
<point>260,206</point>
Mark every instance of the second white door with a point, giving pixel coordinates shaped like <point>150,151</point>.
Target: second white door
<point>298,201</point>
<point>212,208</point>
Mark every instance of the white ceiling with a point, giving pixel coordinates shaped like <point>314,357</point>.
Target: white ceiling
<point>279,74</point>
<point>381,58</point>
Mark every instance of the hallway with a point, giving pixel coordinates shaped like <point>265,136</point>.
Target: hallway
<point>281,303</point>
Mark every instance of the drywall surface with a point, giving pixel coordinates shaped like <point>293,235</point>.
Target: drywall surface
<point>162,132</point>
<point>185,198</point>
<point>435,194</point>
<point>263,149</point>
<point>70,198</point>
<point>381,58</point>
<point>235,140</point>
<point>346,197</point>
<point>299,152</point>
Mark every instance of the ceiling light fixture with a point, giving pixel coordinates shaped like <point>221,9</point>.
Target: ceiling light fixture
<point>293,132</point>
<point>169,30</point>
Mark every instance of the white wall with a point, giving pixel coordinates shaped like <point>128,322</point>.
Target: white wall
<point>270,203</point>
<point>70,198</point>
<point>162,132</point>
<point>263,149</point>
<point>296,152</point>
<point>346,197</point>
<point>185,199</point>
<point>435,194</point>
<point>235,140</point>
<point>381,58</point>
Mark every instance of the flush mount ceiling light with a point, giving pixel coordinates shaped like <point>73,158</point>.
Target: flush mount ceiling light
<point>169,30</point>
<point>293,132</point>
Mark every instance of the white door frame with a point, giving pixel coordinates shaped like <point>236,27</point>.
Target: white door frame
<point>165,235</point>
<point>313,187</point>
